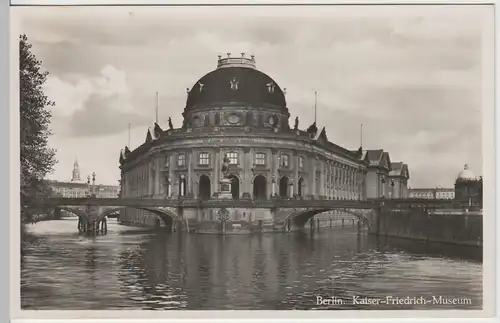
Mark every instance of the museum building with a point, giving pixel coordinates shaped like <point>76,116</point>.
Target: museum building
<point>239,112</point>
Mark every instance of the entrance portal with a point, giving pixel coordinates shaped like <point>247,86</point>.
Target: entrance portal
<point>284,186</point>
<point>259,188</point>
<point>235,186</point>
<point>204,187</point>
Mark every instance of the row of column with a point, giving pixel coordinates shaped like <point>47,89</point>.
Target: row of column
<point>344,181</point>
<point>136,182</point>
<point>335,180</point>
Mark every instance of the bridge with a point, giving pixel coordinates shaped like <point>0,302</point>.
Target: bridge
<point>186,214</point>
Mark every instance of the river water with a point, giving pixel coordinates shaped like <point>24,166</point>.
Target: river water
<point>132,268</point>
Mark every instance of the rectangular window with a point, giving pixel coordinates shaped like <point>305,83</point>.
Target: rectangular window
<point>204,159</point>
<point>181,160</point>
<point>260,159</point>
<point>284,160</point>
<point>233,158</point>
<point>301,162</point>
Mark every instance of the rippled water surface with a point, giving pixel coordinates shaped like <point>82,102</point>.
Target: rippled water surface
<point>140,269</point>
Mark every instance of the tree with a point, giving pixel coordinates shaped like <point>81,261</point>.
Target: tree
<point>37,159</point>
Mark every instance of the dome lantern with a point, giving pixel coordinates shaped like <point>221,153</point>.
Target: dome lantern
<point>466,174</point>
<point>236,61</point>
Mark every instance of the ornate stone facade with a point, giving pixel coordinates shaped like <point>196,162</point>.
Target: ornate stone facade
<point>240,112</point>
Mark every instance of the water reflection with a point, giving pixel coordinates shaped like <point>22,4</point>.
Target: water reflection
<point>138,269</point>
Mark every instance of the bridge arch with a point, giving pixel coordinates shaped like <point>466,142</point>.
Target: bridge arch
<point>167,216</point>
<point>80,213</point>
<point>299,218</point>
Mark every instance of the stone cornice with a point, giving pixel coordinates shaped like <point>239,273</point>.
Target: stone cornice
<point>307,148</point>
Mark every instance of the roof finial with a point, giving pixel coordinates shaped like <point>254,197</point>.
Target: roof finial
<point>466,167</point>
<point>157,107</point>
<point>361,145</point>
<point>252,57</point>
<point>228,55</point>
<point>219,56</point>
<point>242,54</point>
<point>315,102</point>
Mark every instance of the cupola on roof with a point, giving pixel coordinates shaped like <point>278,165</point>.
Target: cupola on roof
<point>466,174</point>
<point>235,81</point>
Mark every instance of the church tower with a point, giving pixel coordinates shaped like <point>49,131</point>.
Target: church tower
<point>76,172</point>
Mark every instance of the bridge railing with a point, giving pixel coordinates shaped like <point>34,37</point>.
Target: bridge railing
<point>211,203</point>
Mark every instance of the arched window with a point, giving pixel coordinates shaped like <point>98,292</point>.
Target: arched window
<point>181,159</point>
<point>285,160</point>
<point>260,159</point>
<point>204,158</point>
<point>233,158</point>
<point>259,188</point>
<point>301,162</point>
<point>204,187</point>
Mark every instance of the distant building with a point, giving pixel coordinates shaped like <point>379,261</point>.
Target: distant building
<point>469,188</point>
<point>383,178</point>
<point>432,193</point>
<point>77,188</point>
<point>445,193</point>
<point>75,178</point>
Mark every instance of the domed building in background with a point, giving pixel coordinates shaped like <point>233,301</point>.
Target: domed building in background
<point>469,188</point>
<point>240,113</point>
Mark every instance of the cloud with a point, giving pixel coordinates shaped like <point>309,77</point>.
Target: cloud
<point>93,106</point>
<point>411,76</point>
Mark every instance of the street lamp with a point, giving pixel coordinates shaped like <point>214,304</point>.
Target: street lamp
<point>383,186</point>
<point>392,188</point>
<point>93,183</point>
<point>88,185</point>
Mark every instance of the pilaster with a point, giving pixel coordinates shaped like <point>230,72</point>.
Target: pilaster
<point>274,171</point>
<point>173,181</point>
<point>217,177</point>
<point>247,171</point>
<point>322,177</point>
<point>191,180</point>
<point>296,173</point>
<point>157,177</point>
<point>313,160</point>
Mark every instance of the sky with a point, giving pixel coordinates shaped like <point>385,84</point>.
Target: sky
<point>412,75</point>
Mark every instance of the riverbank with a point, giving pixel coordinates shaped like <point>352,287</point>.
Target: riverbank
<point>27,239</point>
<point>458,227</point>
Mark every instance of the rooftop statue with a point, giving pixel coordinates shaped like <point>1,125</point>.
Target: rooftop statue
<point>225,165</point>
<point>313,129</point>
<point>170,125</point>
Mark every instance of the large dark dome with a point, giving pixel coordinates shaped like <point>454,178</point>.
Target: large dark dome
<point>235,81</point>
